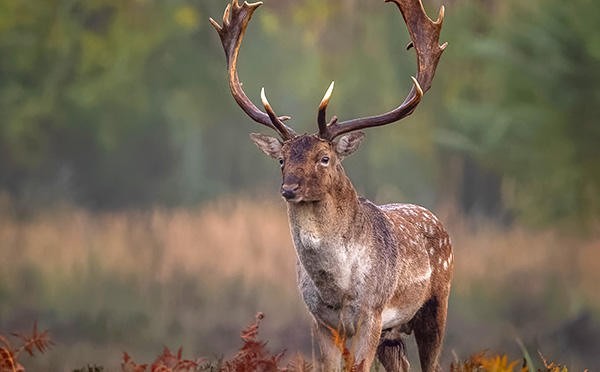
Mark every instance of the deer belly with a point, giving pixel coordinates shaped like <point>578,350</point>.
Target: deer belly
<point>394,317</point>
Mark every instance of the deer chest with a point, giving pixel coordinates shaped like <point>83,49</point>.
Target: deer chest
<point>337,269</point>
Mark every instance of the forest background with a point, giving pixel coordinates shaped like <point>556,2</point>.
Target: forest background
<point>136,212</point>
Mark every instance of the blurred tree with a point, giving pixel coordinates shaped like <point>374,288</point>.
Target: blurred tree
<point>78,98</point>
<point>125,103</point>
<point>523,105</point>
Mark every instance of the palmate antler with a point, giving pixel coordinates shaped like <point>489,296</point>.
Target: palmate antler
<point>424,34</point>
<point>235,21</point>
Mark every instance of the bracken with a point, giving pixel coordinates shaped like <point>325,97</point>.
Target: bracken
<point>253,356</point>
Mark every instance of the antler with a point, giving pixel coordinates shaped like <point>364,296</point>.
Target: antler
<point>235,21</point>
<point>424,35</point>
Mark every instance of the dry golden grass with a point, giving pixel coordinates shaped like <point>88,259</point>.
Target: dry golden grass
<point>214,265</point>
<point>189,277</point>
<point>224,236</point>
<point>220,239</point>
<point>494,255</point>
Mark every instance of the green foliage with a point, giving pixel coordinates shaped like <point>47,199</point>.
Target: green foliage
<point>79,92</point>
<point>526,108</point>
<point>116,103</point>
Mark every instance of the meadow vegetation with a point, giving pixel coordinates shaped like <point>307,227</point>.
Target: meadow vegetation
<point>121,148</point>
<point>253,356</point>
<point>133,281</point>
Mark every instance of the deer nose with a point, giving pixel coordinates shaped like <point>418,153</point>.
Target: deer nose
<point>289,191</point>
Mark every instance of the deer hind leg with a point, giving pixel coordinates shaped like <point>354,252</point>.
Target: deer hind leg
<point>391,355</point>
<point>428,325</point>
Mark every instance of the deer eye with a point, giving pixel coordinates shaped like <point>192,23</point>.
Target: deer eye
<point>281,161</point>
<point>325,160</point>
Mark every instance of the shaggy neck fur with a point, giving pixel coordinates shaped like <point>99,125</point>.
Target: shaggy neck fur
<point>331,216</point>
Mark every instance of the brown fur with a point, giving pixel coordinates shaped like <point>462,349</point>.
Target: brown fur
<point>364,271</point>
<point>360,265</point>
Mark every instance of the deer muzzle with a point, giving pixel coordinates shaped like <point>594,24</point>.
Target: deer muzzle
<point>289,191</point>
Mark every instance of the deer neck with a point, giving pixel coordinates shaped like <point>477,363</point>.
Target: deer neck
<point>329,245</point>
<point>329,218</point>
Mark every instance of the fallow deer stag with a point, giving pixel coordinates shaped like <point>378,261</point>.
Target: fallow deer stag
<point>365,271</point>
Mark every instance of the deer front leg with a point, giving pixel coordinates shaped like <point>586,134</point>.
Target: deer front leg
<point>367,339</point>
<point>331,356</point>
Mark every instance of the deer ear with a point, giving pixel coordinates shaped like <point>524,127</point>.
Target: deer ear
<point>348,143</point>
<point>267,144</point>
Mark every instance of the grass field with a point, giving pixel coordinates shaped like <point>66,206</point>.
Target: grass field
<point>135,281</point>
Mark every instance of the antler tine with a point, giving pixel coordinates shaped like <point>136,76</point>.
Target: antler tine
<point>321,117</point>
<point>280,127</point>
<point>235,20</point>
<point>424,35</point>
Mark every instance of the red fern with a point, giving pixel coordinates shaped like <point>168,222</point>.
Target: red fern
<point>299,364</point>
<point>10,355</point>
<point>168,362</point>
<point>253,355</point>
<point>8,360</point>
<point>165,362</point>
<point>128,365</point>
<point>39,341</point>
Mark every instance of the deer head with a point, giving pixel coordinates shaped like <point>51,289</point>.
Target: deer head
<point>311,164</point>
